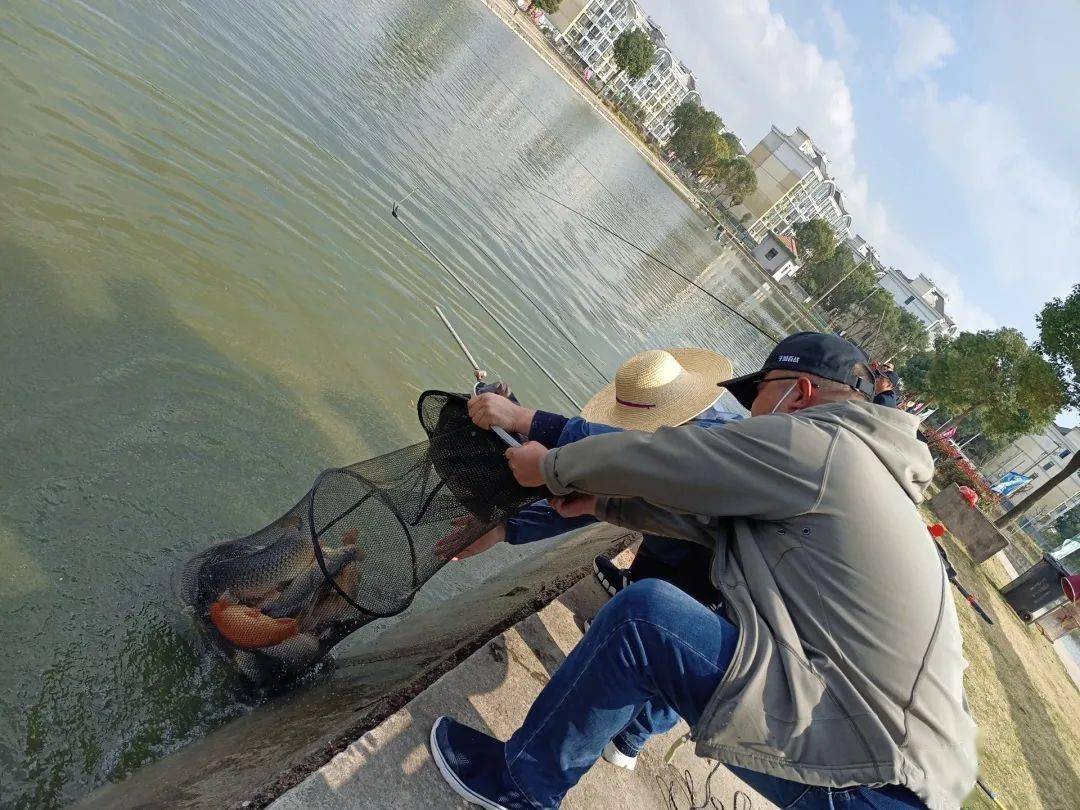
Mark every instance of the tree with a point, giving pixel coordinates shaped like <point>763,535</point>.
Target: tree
<point>816,240</point>
<point>634,52</point>
<point>875,310</point>
<point>691,113</point>
<point>997,377</point>
<point>913,372</point>
<point>710,157</point>
<point>822,273</point>
<point>696,139</point>
<point>548,6</point>
<point>732,141</point>
<point>737,178</point>
<point>1068,525</point>
<point>899,334</point>
<point>1059,340</point>
<point>847,287</point>
<point>908,337</point>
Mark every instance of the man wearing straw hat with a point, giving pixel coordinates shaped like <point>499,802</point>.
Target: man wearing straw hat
<point>652,389</point>
<point>833,675</point>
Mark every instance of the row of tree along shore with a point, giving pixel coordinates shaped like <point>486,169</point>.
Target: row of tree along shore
<point>699,140</point>
<point>993,385</point>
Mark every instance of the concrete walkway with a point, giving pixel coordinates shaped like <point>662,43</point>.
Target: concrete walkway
<point>390,766</point>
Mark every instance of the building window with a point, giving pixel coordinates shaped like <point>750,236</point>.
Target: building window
<point>771,254</point>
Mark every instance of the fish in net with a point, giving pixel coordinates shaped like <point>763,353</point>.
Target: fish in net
<point>356,548</point>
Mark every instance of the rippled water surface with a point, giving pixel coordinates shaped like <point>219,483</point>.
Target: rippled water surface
<point>204,302</point>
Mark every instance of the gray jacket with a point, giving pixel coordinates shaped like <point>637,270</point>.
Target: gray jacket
<point>849,668</point>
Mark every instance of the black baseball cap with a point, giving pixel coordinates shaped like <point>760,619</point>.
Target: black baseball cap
<point>828,356</point>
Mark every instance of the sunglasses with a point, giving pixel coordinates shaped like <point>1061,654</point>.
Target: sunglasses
<point>760,383</point>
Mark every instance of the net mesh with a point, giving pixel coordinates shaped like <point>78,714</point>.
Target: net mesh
<point>357,547</point>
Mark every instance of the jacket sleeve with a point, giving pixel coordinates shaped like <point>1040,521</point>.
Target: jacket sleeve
<point>577,429</point>
<point>768,467</point>
<point>642,516</point>
<point>539,522</point>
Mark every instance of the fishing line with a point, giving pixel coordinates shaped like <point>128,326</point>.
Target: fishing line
<point>514,283</point>
<point>521,102</point>
<point>610,193</point>
<point>479,302</point>
<point>656,259</point>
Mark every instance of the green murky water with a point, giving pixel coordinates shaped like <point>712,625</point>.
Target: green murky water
<point>204,302</point>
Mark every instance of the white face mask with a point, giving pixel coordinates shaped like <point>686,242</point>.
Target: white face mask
<point>780,401</point>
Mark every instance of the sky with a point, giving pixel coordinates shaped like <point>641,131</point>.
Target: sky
<point>952,128</point>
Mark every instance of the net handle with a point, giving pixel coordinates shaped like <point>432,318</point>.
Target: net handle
<point>509,440</point>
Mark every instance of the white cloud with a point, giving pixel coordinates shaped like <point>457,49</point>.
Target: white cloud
<point>924,42</point>
<point>1024,210</point>
<point>756,70</point>
<point>753,68</point>
<point>844,42</point>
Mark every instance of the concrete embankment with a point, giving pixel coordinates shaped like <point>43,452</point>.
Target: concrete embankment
<point>391,766</point>
<point>252,760</point>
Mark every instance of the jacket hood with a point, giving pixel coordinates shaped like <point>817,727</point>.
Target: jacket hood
<point>890,434</point>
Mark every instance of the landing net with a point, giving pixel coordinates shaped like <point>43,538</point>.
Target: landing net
<point>357,547</point>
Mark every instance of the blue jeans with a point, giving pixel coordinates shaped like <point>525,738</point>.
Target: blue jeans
<point>652,654</point>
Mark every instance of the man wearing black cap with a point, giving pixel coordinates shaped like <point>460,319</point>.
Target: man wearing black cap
<point>827,368</point>
<point>886,387</point>
<point>833,674</point>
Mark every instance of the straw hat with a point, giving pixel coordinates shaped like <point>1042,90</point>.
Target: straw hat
<point>659,387</point>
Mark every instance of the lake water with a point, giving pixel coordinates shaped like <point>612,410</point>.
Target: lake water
<point>204,302</point>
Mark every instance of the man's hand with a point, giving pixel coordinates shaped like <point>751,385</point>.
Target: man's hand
<point>492,410</point>
<point>447,547</point>
<point>526,463</point>
<point>575,505</point>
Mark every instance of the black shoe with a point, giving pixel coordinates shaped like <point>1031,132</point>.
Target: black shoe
<point>611,578</point>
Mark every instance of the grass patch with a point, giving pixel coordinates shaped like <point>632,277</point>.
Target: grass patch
<point>1024,543</point>
<point>1024,701</point>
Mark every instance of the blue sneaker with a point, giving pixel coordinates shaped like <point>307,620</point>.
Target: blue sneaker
<point>474,765</point>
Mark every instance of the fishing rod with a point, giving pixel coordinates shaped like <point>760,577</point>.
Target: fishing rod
<point>655,258</point>
<point>498,76</point>
<point>477,299</point>
<point>540,310</point>
<point>479,373</point>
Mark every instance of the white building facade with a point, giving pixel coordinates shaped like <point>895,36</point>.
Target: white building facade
<point>1041,456</point>
<point>920,295</point>
<point>793,185</point>
<point>589,31</point>
<point>667,85</point>
<point>777,255</point>
<point>922,298</point>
